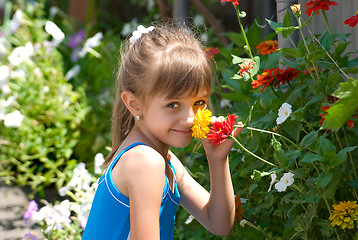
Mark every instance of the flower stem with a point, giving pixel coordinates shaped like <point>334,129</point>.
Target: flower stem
<point>253,154</point>
<point>243,31</point>
<point>325,19</point>
<point>273,133</point>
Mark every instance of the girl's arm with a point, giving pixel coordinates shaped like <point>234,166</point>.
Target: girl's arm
<point>214,210</point>
<point>144,182</point>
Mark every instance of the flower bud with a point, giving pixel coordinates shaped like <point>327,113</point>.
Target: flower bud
<point>296,9</point>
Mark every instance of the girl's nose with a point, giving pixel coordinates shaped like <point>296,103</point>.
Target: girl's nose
<point>188,118</point>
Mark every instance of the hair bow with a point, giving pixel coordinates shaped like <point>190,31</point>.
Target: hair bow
<point>138,33</point>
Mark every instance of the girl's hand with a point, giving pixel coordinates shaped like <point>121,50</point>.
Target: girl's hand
<point>220,153</point>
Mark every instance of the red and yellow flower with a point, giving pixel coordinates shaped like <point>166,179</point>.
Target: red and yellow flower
<point>316,5</point>
<point>267,47</point>
<point>245,67</point>
<point>211,52</point>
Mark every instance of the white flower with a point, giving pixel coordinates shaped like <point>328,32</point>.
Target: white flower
<point>224,103</point>
<point>3,43</point>
<point>15,21</point>
<point>283,113</point>
<point>18,74</point>
<point>5,90</point>
<point>20,54</point>
<point>138,33</point>
<point>13,119</point>
<point>129,27</point>
<point>285,181</point>
<point>98,161</point>
<point>52,29</point>
<point>54,217</point>
<point>92,42</point>
<point>73,72</point>
<point>81,180</point>
<point>273,179</point>
<point>4,75</point>
<point>243,222</point>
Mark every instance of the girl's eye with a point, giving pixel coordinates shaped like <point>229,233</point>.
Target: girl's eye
<point>173,105</point>
<point>200,103</point>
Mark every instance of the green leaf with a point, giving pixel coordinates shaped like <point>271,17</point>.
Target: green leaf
<point>287,22</point>
<point>342,155</point>
<point>274,25</point>
<point>311,157</point>
<point>325,146</point>
<point>308,139</point>
<point>290,52</point>
<point>323,179</point>
<point>309,197</point>
<point>345,107</point>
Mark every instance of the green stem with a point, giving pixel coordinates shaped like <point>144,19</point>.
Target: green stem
<point>253,154</point>
<point>273,133</point>
<point>243,31</point>
<point>306,46</point>
<point>325,19</point>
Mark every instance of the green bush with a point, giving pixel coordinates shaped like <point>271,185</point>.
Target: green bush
<point>38,150</point>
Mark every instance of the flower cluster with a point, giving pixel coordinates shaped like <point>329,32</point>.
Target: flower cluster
<point>274,77</point>
<point>267,47</point>
<point>215,133</point>
<point>316,5</point>
<point>344,214</point>
<point>81,188</point>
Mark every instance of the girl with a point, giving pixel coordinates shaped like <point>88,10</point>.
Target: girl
<point>164,78</point>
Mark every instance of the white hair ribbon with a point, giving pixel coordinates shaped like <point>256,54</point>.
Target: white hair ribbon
<point>138,33</point>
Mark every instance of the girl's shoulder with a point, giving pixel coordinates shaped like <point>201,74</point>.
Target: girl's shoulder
<point>138,168</point>
<point>142,156</point>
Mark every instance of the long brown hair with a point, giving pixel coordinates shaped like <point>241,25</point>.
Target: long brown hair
<point>169,61</point>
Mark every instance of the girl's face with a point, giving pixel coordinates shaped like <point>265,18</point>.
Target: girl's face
<point>168,121</point>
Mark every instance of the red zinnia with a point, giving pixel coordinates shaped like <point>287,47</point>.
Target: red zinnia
<point>235,2</point>
<point>316,5</point>
<point>221,130</point>
<point>352,21</point>
<point>281,75</point>
<point>211,52</point>
<point>267,47</point>
<point>263,80</point>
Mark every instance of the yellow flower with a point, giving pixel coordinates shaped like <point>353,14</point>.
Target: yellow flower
<point>296,9</point>
<point>344,214</point>
<point>201,123</point>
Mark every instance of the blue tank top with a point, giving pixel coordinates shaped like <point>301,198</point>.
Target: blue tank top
<point>109,215</point>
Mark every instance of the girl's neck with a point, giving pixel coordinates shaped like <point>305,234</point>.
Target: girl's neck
<point>137,135</point>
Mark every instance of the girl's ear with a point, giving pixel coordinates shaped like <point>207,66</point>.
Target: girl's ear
<point>131,102</point>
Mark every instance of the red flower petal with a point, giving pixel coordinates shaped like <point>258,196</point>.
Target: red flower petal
<point>221,130</point>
